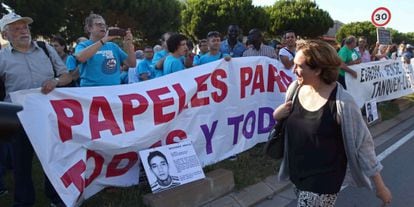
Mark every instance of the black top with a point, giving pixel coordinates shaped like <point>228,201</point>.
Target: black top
<point>316,154</point>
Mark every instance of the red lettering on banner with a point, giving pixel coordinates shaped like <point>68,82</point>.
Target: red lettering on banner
<point>201,86</point>
<point>113,170</point>
<point>99,160</point>
<point>219,85</point>
<point>287,80</point>
<point>156,144</point>
<point>181,96</point>
<point>258,80</point>
<point>176,133</point>
<point>128,111</point>
<point>274,77</point>
<point>66,122</point>
<point>245,80</point>
<point>100,103</point>
<point>159,104</point>
<point>74,175</point>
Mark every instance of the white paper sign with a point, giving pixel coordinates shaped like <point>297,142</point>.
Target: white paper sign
<point>170,166</point>
<point>371,111</point>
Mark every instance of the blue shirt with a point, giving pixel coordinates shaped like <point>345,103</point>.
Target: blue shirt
<point>158,56</point>
<point>71,63</point>
<point>237,51</point>
<point>173,64</point>
<point>103,68</point>
<point>144,67</point>
<point>206,58</point>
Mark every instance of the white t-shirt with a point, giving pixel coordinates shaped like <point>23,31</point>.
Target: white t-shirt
<point>284,52</point>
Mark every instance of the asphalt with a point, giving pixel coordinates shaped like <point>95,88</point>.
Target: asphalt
<point>270,192</point>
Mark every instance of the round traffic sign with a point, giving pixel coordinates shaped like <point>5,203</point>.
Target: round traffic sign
<point>380,17</point>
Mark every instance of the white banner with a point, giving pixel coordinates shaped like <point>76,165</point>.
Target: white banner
<point>89,138</point>
<point>380,80</point>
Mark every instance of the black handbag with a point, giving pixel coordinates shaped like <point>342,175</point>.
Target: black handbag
<point>274,147</point>
<point>275,144</point>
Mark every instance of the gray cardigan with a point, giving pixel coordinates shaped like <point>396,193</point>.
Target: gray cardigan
<point>358,143</point>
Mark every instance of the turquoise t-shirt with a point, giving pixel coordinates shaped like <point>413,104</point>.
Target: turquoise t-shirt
<point>144,67</point>
<point>347,55</point>
<point>206,58</point>
<point>103,68</point>
<point>158,56</point>
<point>71,63</point>
<point>173,64</point>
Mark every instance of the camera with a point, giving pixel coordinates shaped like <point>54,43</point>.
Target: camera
<point>117,32</point>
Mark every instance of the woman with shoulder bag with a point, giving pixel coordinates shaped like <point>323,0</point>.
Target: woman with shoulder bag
<point>325,133</point>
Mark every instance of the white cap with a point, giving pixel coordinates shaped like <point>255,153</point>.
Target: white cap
<point>409,46</point>
<point>13,17</point>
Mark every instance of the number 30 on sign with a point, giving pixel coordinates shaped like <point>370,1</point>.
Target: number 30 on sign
<point>380,17</point>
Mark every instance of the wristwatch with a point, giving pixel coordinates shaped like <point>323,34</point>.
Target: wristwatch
<point>57,80</point>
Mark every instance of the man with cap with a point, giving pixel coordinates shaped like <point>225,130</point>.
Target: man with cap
<point>25,65</point>
<point>408,54</point>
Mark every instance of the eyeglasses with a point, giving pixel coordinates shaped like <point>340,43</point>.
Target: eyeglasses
<point>100,24</point>
<point>18,29</point>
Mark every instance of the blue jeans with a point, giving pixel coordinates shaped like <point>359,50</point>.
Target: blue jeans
<point>5,162</point>
<point>24,192</point>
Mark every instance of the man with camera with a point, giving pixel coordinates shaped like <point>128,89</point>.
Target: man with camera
<point>101,59</point>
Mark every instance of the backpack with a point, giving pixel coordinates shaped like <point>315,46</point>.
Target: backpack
<point>42,45</point>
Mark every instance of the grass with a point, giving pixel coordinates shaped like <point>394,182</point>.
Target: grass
<point>249,168</point>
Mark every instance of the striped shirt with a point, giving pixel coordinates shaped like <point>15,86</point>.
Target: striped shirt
<point>263,51</point>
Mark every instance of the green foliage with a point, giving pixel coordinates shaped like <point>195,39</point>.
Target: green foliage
<point>302,16</point>
<point>358,29</point>
<point>201,16</point>
<point>147,19</point>
<point>368,30</point>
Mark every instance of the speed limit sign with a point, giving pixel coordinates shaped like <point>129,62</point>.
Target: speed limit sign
<point>380,17</point>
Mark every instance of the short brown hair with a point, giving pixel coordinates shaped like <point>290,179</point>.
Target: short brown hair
<point>320,55</point>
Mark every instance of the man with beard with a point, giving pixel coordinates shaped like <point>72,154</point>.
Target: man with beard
<point>25,65</point>
<point>232,45</point>
<point>255,38</point>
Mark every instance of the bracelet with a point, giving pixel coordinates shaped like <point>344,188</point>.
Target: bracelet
<point>102,42</point>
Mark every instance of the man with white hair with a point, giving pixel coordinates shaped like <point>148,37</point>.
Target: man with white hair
<point>25,65</point>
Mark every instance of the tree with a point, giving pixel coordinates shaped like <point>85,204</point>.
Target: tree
<point>302,16</point>
<point>358,29</point>
<point>201,16</point>
<point>147,19</point>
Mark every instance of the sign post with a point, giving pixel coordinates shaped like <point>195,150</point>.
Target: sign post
<point>381,17</point>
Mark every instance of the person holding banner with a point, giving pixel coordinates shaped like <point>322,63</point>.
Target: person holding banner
<point>333,135</point>
<point>160,168</point>
<point>349,56</point>
<point>25,65</point>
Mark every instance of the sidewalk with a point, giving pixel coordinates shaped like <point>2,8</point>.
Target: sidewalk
<point>282,194</point>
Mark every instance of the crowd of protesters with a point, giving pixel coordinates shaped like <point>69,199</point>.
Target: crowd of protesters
<point>97,61</point>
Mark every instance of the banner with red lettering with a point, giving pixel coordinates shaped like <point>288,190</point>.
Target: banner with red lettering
<point>89,138</point>
<point>380,80</point>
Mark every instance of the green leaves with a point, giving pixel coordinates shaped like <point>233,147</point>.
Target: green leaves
<point>302,16</point>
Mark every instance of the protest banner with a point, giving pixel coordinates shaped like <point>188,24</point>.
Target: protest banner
<point>171,165</point>
<point>89,138</point>
<point>380,80</point>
